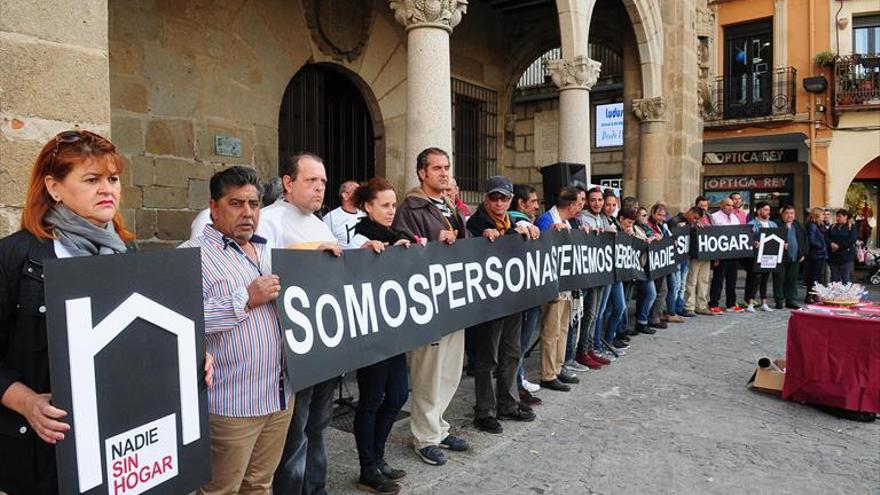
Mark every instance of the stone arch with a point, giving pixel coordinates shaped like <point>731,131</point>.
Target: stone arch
<point>574,30</point>
<point>853,151</point>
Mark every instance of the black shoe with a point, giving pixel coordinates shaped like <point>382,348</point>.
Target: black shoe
<point>619,344</point>
<point>792,305</point>
<point>518,414</point>
<point>372,480</point>
<point>659,324</point>
<point>779,305</point>
<point>645,329</point>
<point>688,314</point>
<point>454,444</point>
<point>527,399</point>
<point>555,384</point>
<point>488,424</point>
<point>389,472</point>
<point>568,378</point>
<point>624,337</point>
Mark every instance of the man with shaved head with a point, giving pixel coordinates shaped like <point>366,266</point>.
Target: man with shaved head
<point>724,271</point>
<point>343,220</point>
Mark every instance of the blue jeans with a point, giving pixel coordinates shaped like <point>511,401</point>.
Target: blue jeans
<point>683,270</point>
<point>382,391</point>
<point>303,466</point>
<point>531,318</point>
<point>615,309</point>
<point>646,297</point>
<point>673,284</point>
<point>599,326</point>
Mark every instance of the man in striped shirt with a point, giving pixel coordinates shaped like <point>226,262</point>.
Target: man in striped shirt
<point>249,407</point>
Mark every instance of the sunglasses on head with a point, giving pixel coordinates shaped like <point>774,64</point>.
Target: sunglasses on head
<point>70,137</point>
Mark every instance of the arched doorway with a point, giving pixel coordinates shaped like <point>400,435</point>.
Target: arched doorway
<point>863,200</point>
<point>324,112</point>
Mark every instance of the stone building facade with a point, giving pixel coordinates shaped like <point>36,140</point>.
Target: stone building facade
<point>185,88</point>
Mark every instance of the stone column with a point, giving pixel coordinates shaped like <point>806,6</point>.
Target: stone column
<point>632,90</point>
<point>653,172</point>
<point>574,77</point>
<point>54,75</point>
<point>428,76</point>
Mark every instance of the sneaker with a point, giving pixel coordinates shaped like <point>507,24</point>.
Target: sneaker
<point>766,308</point>
<point>716,310</point>
<point>584,359</point>
<point>576,367</point>
<point>568,378</point>
<point>390,472</point>
<point>599,359</point>
<point>432,455</point>
<point>488,424</point>
<point>750,308</point>
<point>454,443</point>
<point>624,337</point>
<point>527,398</point>
<point>556,385</point>
<point>373,481</point>
<point>735,309</point>
<point>530,387</point>
<point>518,414</point>
<point>619,345</point>
<point>611,357</point>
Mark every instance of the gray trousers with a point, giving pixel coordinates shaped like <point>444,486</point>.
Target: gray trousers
<point>496,351</point>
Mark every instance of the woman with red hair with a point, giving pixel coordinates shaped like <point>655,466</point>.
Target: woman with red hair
<point>71,209</point>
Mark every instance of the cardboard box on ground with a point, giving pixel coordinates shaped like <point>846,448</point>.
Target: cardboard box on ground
<point>769,377</point>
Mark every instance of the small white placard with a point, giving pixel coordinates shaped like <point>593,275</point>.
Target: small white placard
<point>142,458</point>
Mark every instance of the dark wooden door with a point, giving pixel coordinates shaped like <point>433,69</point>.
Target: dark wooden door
<point>323,112</point>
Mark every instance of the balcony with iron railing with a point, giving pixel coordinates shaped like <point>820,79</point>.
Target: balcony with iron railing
<point>752,97</point>
<point>857,82</point>
<point>536,80</point>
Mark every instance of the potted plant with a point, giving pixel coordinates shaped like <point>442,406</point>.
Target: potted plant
<point>825,58</point>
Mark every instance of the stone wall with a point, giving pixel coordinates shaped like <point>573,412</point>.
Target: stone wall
<point>182,73</point>
<point>53,77</point>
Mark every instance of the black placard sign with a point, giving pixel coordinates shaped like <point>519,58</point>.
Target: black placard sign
<point>718,242</point>
<point>585,260</point>
<point>662,257</point>
<point>126,354</point>
<point>628,258</point>
<point>682,243</point>
<point>343,314</point>
<point>770,250</point>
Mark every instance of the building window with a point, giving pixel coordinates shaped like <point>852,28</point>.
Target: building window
<point>748,69</point>
<point>866,35</point>
<point>475,138</point>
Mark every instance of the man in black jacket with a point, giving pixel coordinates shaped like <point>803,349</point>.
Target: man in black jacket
<point>796,247</point>
<point>497,342</point>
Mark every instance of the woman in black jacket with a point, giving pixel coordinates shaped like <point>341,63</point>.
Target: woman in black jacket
<point>382,387</point>
<point>71,209</point>
<point>841,247</point>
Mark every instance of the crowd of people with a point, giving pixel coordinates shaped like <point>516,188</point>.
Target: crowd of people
<point>265,437</point>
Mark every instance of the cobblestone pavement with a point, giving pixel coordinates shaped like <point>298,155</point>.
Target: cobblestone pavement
<point>672,416</point>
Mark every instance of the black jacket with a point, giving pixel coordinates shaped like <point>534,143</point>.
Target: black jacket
<point>803,242</point>
<point>845,238</point>
<point>375,232</point>
<point>27,463</point>
<point>481,221</point>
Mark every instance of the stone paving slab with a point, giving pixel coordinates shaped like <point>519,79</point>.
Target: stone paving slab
<point>672,416</point>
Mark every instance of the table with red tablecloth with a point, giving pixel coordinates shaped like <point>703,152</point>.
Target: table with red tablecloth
<point>833,360</point>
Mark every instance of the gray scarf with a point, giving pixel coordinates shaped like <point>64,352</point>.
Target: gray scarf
<point>81,237</point>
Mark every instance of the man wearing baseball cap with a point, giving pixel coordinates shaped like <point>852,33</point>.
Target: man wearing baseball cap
<point>497,342</point>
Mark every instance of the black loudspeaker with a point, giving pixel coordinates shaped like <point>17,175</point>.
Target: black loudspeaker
<point>560,175</point>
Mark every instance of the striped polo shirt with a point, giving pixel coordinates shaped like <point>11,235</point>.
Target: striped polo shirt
<point>247,345</point>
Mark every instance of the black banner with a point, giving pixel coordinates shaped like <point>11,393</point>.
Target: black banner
<point>627,258</point>
<point>770,250</point>
<point>682,243</point>
<point>662,257</point>
<point>343,314</point>
<point>126,354</point>
<point>719,242</point>
<point>585,260</point>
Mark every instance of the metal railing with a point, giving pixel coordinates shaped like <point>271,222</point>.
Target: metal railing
<point>751,95</point>
<point>857,81</point>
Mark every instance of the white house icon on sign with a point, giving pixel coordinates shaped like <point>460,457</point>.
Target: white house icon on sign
<point>86,341</point>
<point>765,241</point>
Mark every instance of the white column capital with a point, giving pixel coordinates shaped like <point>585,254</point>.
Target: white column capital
<point>579,72</point>
<point>650,109</point>
<point>443,14</point>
